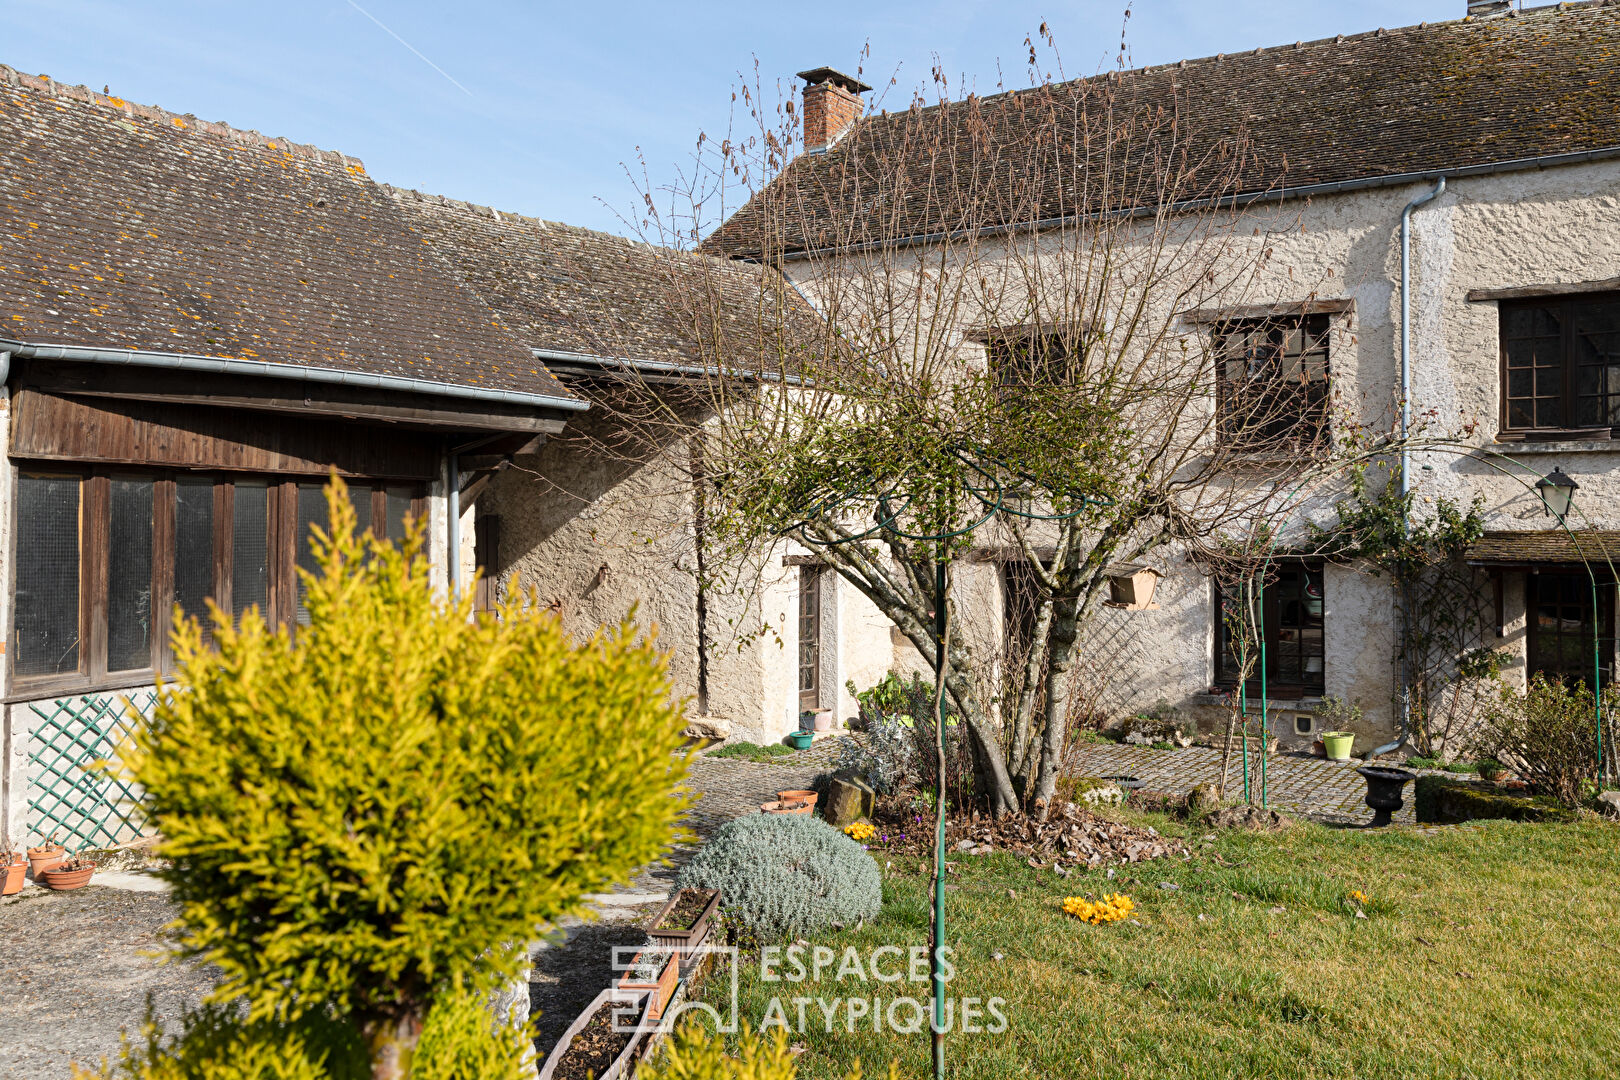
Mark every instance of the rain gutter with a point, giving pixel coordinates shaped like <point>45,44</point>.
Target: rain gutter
<point>300,372</point>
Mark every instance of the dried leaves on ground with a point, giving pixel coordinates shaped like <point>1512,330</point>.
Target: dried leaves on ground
<point>1070,835</point>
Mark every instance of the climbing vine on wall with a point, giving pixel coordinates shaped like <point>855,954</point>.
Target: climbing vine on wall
<point>1450,667</point>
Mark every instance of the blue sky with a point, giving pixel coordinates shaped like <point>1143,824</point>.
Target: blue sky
<point>538,108</point>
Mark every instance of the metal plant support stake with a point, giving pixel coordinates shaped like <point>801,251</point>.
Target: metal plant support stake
<point>993,500</point>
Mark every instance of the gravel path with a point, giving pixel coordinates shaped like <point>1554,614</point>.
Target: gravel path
<point>78,977</point>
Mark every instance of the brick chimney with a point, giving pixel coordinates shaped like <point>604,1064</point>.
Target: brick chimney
<point>832,102</point>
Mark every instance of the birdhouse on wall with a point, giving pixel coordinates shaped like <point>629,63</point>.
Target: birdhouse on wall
<point>1131,587</point>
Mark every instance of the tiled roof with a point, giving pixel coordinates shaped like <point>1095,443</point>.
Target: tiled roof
<point>1388,103</point>
<point>1531,546</point>
<point>564,288</point>
<point>125,226</point>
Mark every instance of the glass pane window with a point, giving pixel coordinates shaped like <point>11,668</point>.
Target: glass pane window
<point>129,575</point>
<point>398,512</point>
<point>193,559</point>
<point>809,637</point>
<point>46,636</point>
<point>1562,626</point>
<point>360,499</point>
<point>1272,385</point>
<point>1561,363</point>
<point>250,547</point>
<point>311,512</point>
<point>1289,607</point>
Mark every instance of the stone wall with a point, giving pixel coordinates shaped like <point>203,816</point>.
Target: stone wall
<point>1514,229</point>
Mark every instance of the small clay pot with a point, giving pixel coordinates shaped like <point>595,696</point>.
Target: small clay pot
<point>798,796</point>
<point>11,876</point>
<point>787,807</point>
<point>41,859</point>
<point>68,880</point>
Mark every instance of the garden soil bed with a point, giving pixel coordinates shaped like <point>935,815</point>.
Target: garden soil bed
<point>594,1049</point>
<point>686,910</point>
<point>1070,835</point>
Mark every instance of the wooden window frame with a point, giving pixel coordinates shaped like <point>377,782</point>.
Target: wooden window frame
<point>1534,583</point>
<point>1272,629</point>
<point>95,561</point>
<point>810,586</point>
<point>1307,426</point>
<point>1568,365</point>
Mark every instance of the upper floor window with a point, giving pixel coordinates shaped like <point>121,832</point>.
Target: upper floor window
<point>1272,381</point>
<point>104,556</point>
<point>1561,365</point>
<point>1027,358</point>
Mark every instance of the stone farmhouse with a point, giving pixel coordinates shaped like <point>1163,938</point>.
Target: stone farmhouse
<point>199,323</point>
<point>1491,144</point>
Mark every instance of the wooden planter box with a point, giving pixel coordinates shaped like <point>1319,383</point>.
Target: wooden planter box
<point>627,1056</point>
<point>661,989</point>
<point>675,939</point>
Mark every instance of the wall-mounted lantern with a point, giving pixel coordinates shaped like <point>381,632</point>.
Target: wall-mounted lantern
<point>1131,587</point>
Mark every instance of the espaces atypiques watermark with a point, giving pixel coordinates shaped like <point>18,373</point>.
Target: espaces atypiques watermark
<point>886,965</point>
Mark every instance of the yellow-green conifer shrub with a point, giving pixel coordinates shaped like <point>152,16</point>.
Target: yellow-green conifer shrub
<point>692,1054</point>
<point>374,809</point>
<point>459,1041</point>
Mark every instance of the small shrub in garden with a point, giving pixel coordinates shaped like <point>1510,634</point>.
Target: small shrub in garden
<point>885,755</point>
<point>369,814</point>
<point>692,1054</point>
<point>783,874</point>
<point>1548,735</point>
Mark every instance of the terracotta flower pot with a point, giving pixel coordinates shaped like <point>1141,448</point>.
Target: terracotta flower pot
<point>798,796</point>
<point>68,880</point>
<point>11,876</point>
<point>787,807</point>
<point>41,859</point>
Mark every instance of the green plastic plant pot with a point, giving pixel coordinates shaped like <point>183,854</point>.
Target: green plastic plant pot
<point>801,740</point>
<point>1337,744</point>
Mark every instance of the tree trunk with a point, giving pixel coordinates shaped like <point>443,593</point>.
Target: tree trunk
<point>1060,658</point>
<point>392,1043</point>
<point>1023,711</point>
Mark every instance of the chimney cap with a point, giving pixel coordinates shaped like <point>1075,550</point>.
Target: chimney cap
<point>817,76</point>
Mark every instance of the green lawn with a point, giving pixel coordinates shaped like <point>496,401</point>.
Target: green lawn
<point>1490,952</point>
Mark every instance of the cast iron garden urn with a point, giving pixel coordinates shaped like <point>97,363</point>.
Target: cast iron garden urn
<point>1384,791</point>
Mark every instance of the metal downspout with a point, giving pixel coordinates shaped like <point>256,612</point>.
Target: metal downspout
<point>1406,455</point>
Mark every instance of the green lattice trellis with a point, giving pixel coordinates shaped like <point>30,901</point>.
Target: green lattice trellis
<point>68,798</point>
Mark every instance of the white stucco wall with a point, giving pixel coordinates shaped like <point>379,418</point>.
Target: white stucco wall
<point>1526,228</point>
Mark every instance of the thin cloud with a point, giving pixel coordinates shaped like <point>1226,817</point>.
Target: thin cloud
<point>411,47</point>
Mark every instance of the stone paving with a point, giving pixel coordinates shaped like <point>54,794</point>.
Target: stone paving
<point>732,787</point>
<point>1327,791</point>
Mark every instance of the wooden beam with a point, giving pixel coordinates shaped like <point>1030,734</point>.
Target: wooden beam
<point>1270,311</point>
<point>1527,292</point>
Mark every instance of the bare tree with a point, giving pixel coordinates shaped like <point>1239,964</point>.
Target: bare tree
<point>1039,325</point>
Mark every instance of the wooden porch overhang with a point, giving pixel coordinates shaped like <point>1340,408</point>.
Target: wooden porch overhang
<point>1529,549</point>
